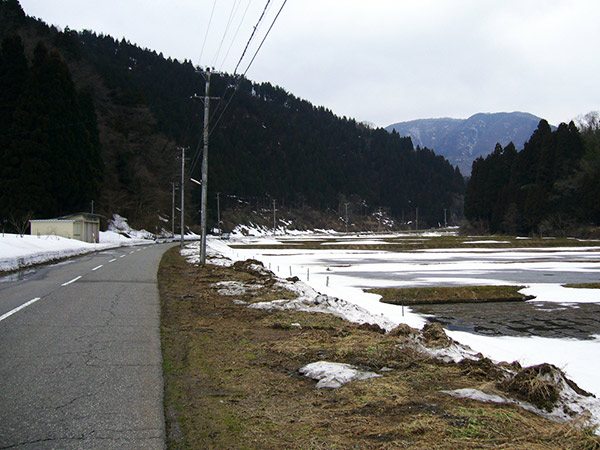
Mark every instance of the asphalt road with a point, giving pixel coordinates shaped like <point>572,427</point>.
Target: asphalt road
<point>80,364</point>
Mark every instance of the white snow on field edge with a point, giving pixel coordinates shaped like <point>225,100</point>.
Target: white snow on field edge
<point>335,375</point>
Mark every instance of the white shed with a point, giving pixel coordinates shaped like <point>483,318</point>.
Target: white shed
<point>81,226</point>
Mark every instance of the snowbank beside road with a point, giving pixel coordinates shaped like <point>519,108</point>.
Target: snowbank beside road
<point>17,251</point>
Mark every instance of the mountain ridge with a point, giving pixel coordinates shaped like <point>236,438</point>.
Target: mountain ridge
<point>462,141</point>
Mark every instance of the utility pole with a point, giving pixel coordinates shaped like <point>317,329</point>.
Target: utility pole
<point>173,184</point>
<point>417,219</point>
<point>182,191</point>
<point>205,168</point>
<point>219,212</point>
<point>274,216</point>
<point>346,217</point>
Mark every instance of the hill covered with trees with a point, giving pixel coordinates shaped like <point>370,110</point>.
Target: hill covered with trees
<point>105,120</point>
<point>551,187</point>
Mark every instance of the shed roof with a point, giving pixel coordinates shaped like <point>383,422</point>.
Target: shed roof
<point>53,220</point>
<point>99,216</point>
<point>69,217</point>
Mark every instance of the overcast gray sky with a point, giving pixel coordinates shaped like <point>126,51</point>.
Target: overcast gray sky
<point>381,61</point>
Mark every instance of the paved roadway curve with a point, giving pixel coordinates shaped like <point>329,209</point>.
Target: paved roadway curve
<point>81,366</point>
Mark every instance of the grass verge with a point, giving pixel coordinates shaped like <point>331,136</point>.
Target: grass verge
<point>232,381</point>
<point>460,294</point>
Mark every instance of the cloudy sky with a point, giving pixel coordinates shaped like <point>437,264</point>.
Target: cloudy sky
<point>381,61</point>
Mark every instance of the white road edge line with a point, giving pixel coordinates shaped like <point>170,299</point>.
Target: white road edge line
<point>72,281</point>
<point>19,308</point>
<point>97,267</point>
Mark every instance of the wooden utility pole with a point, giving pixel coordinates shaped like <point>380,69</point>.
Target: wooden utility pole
<point>207,98</point>
<point>182,191</point>
<point>347,216</point>
<point>173,184</point>
<point>219,212</point>
<point>417,219</point>
<point>205,169</point>
<point>274,216</point>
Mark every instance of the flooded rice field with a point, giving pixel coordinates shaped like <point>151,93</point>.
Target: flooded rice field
<point>552,320</point>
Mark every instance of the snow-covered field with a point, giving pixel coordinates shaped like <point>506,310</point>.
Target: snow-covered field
<point>345,273</point>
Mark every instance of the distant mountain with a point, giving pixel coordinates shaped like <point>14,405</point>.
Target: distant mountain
<point>462,141</point>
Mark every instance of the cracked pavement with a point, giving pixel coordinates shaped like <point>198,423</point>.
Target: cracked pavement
<point>82,367</point>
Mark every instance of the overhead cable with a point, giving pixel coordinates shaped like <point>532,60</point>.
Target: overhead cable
<point>207,30</point>
<point>263,41</point>
<point>252,36</point>
<point>231,15</point>
<point>237,85</point>
<point>235,35</point>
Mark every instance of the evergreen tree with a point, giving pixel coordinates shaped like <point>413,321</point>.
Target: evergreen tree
<point>542,188</point>
<point>12,15</point>
<point>53,157</point>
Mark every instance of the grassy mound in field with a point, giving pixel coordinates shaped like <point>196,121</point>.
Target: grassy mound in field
<point>583,285</point>
<point>462,294</point>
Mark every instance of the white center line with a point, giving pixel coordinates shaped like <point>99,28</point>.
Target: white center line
<point>132,252</point>
<point>113,260</point>
<point>97,267</point>
<point>122,256</point>
<point>72,281</point>
<point>19,308</point>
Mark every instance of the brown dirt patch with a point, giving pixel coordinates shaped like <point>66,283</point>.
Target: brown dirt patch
<point>232,381</point>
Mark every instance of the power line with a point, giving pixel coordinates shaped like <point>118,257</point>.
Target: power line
<point>247,68</point>
<point>236,34</point>
<point>263,41</point>
<point>207,30</point>
<point>231,15</point>
<point>252,36</point>
<point>196,157</point>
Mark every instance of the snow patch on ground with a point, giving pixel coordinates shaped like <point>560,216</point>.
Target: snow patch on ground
<point>234,288</point>
<point>335,375</point>
<point>309,300</point>
<point>119,225</point>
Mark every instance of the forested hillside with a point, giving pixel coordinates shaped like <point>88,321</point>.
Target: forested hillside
<point>550,187</point>
<point>115,127</point>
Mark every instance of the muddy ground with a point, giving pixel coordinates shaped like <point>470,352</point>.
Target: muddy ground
<point>232,378</point>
